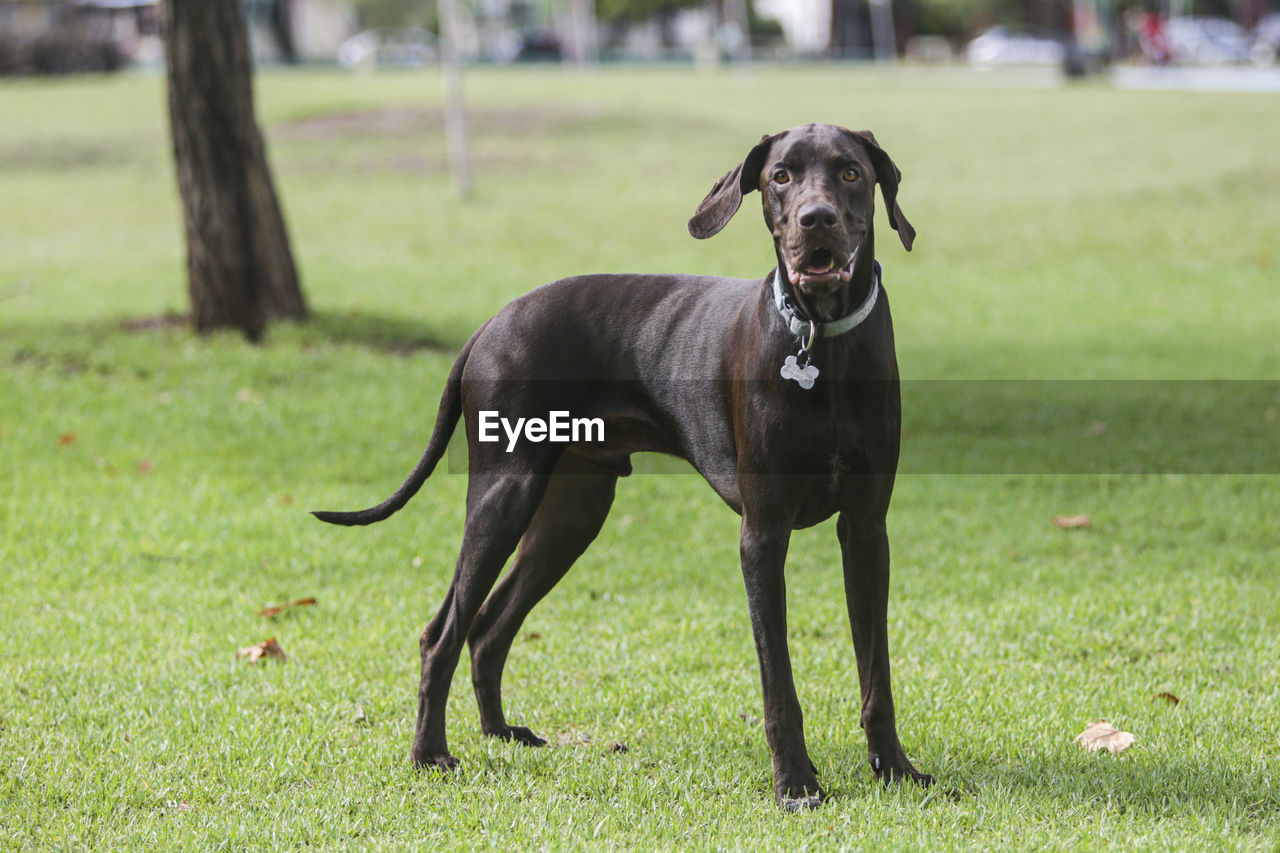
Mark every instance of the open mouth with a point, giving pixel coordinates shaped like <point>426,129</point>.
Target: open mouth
<point>819,267</point>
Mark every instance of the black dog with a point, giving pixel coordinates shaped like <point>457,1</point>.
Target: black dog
<point>782,392</point>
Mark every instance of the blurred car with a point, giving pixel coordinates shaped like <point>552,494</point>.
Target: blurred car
<point>1197,40</point>
<point>388,47</point>
<point>529,46</point>
<point>1001,45</point>
<point>538,47</point>
<point>1266,40</point>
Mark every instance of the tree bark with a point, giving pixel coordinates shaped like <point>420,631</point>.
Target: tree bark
<point>240,269</point>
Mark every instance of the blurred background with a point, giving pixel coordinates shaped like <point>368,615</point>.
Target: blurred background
<point>1076,36</point>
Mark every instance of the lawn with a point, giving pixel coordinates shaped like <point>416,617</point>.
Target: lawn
<point>1117,248</point>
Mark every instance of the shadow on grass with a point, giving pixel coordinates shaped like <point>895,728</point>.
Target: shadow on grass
<point>74,347</point>
<point>382,332</point>
<point>385,333</point>
<point>1161,788</point>
<point>1235,794</point>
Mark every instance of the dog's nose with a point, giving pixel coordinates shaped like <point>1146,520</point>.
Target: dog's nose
<point>817,215</point>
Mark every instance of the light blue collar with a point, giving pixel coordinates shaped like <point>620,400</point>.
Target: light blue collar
<point>803,328</point>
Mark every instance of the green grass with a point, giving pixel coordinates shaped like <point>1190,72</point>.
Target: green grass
<point>1080,233</point>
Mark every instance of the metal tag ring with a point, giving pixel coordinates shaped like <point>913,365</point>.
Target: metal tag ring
<point>813,333</point>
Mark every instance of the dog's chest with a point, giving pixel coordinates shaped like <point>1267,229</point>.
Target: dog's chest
<point>834,450</point>
<point>827,486</point>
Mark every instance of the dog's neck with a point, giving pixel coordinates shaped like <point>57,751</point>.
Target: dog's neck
<point>844,301</point>
<point>832,315</point>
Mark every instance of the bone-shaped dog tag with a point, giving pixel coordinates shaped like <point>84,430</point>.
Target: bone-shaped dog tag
<point>803,376</point>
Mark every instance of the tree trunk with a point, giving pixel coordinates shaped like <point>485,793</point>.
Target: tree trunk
<point>239,267</point>
<point>455,116</point>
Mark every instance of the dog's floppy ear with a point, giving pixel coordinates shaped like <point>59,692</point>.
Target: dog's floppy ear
<point>888,176</point>
<point>726,196</point>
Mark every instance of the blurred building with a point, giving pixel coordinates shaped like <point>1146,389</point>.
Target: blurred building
<point>806,24</point>
<point>60,31</point>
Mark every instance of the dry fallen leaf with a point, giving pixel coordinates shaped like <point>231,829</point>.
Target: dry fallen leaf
<point>1067,521</point>
<point>267,648</point>
<point>1103,735</point>
<point>145,466</point>
<point>1166,696</point>
<point>274,611</point>
<point>66,439</point>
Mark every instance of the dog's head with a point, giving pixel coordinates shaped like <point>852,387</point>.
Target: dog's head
<point>817,185</point>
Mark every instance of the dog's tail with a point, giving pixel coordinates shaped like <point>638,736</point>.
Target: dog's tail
<point>446,421</point>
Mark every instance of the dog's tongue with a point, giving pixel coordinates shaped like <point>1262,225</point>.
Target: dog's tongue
<point>821,263</point>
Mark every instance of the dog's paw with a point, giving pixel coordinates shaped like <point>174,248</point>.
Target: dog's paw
<point>800,804</point>
<point>801,793</point>
<point>895,772</point>
<point>441,762</point>
<point>518,734</point>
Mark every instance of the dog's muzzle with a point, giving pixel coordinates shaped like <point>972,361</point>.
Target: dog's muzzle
<point>819,271</point>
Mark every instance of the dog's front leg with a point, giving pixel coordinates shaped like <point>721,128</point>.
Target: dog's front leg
<point>764,553</point>
<point>864,545</point>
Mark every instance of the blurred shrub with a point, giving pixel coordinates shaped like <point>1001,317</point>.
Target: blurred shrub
<point>67,49</point>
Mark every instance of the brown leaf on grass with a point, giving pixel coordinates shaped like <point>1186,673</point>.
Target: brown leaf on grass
<point>178,806</point>
<point>145,466</point>
<point>266,649</point>
<point>1166,696</point>
<point>1068,521</point>
<point>1103,735</point>
<point>66,439</point>
<point>274,611</point>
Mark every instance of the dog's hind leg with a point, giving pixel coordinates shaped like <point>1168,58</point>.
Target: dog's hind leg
<point>570,516</point>
<point>499,509</point>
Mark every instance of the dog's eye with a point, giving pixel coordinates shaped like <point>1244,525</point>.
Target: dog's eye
<point>781,176</point>
<point>850,175</point>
